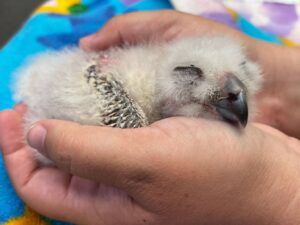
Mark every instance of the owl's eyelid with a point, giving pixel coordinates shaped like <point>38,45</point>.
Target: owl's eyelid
<point>191,69</point>
<point>243,63</point>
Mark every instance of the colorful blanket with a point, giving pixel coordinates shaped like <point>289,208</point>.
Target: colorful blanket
<point>276,21</point>
<point>58,23</point>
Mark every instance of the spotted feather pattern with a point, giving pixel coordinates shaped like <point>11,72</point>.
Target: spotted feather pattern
<point>117,108</point>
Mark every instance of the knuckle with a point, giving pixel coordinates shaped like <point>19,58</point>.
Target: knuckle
<point>144,175</point>
<point>140,179</point>
<point>141,176</point>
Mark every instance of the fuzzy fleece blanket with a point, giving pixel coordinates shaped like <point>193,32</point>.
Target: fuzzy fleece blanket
<point>58,23</point>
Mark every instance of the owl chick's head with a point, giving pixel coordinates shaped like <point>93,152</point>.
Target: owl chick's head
<point>208,77</point>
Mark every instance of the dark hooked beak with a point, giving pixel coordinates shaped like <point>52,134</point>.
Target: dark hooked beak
<point>232,105</point>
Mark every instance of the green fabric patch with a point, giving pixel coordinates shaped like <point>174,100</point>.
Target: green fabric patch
<point>77,9</point>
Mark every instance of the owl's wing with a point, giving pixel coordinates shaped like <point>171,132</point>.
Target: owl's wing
<point>117,108</point>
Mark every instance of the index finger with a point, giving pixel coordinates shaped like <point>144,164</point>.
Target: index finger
<point>132,28</point>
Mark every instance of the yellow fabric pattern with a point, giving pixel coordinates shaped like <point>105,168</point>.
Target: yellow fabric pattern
<point>29,218</point>
<point>288,42</point>
<point>232,13</point>
<point>57,6</point>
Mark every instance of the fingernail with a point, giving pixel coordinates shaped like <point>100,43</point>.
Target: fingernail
<point>36,137</point>
<point>20,108</point>
<point>86,42</point>
<point>88,38</point>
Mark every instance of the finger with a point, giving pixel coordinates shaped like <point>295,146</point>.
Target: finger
<point>294,143</point>
<point>20,108</point>
<point>11,134</point>
<point>17,157</point>
<point>270,130</point>
<point>109,155</point>
<point>131,28</point>
<point>26,175</point>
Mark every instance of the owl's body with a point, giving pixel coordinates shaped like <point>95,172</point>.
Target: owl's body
<point>62,85</point>
<point>133,86</point>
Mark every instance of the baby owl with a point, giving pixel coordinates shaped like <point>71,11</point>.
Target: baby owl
<point>133,86</point>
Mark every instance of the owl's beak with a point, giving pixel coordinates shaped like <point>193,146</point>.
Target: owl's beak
<point>232,105</point>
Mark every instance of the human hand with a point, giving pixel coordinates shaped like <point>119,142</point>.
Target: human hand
<point>278,103</point>
<point>174,172</point>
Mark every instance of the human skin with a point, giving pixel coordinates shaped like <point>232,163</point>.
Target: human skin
<point>176,171</point>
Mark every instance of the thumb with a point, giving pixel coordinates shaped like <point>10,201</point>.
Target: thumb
<point>108,155</point>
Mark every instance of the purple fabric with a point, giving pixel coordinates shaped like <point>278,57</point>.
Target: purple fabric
<point>220,17</point>
<point>282,16</point>
<point>129,2</point>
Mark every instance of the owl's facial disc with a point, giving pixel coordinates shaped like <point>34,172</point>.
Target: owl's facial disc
<point>229,100</point>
